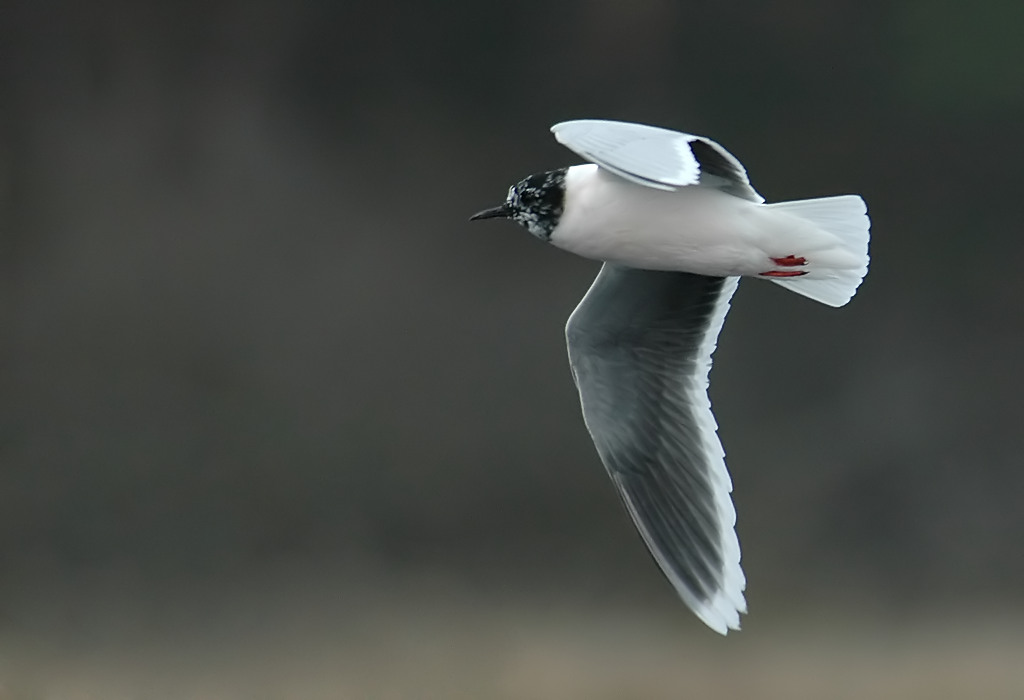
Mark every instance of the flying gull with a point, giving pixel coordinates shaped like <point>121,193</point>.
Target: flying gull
<point>676,223</point>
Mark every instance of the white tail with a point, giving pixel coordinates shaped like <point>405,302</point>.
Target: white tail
<point>838,272</point>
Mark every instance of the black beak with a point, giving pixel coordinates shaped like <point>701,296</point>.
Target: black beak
<point>503,211</point>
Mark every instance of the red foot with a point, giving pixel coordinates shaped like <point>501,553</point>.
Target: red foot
<point>783,273</point>
<point>790,261</point>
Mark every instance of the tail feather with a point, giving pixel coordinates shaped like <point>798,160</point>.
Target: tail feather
<point>836,280</point>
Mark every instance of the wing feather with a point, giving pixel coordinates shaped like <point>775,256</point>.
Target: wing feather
<point>656,157</point>
<point>640,346</point>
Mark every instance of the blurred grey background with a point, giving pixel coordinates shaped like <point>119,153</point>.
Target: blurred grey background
<point>277,421</point>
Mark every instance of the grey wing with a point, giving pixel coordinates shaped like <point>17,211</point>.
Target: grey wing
<point>655,157</point>
<point>640,346</point>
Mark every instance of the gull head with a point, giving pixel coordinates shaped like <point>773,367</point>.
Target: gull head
<point>535,202</point>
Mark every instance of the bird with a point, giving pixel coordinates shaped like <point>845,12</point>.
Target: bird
<point>675,223</point>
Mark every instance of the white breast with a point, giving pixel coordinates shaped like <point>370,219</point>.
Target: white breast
<point>693,229</point>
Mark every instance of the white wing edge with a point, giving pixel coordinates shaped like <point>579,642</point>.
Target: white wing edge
<point>572,135</point>
<point>722,612</point>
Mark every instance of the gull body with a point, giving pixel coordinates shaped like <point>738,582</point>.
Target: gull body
<point>676,223</point>
<point>702,230</point>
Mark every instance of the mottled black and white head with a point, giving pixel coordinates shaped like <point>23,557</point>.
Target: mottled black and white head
<point>535,202</point>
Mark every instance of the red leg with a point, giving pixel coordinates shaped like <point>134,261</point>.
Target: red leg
<point>783,273</point>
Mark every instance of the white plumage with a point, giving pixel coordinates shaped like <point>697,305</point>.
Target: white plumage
<point>666,217</point>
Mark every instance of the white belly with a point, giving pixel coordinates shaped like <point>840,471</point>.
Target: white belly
<point>694,229</point>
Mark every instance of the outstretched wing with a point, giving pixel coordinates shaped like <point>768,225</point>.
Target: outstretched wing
<point>640,347</point>
<point>654,157</point>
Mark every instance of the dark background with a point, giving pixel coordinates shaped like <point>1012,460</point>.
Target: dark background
<point>277,421</point>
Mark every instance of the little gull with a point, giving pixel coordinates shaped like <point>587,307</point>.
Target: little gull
<point>676,223</point>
